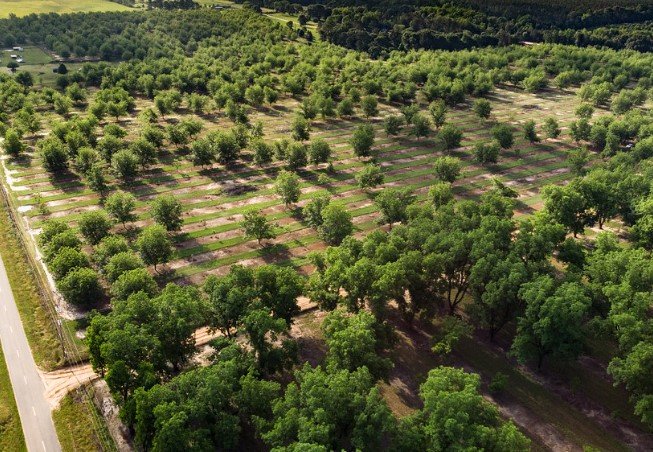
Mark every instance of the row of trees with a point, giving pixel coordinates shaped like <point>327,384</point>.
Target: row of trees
<point>124,270</point>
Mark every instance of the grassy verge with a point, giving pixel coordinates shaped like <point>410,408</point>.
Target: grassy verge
<point>74,420</point>
<point>11,433</point>
<point>40,332</point>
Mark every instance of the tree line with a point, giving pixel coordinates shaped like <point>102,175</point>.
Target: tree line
<point>380,27</point>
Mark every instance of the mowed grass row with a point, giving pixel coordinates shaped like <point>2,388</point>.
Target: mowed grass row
<point>273,253</point>
<point>424,159</point>
<point>212,215</point>
<point>169,181</point>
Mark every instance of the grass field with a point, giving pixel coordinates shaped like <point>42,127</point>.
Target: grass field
<point>73,420</point>
<point>31,55</point>
<point>25,7</point>
<point>11,433</point>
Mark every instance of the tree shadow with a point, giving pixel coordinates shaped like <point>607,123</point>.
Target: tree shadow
<point>24,160</point>
<point>67,181</point>
<point>273,254</point>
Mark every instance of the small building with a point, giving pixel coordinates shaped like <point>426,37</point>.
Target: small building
<point>18,49</point>
<point>19,60</point>
<point>13,56</point>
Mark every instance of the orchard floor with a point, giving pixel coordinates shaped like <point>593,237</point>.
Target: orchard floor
<point>215,198</point>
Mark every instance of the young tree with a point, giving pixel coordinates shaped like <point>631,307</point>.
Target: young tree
<point>312,212</point>
<point>421,125</point>
<point>125,164</point>
<point>108,247</point>
<point>65,261</point>
<point>154,135</point>
<point>120,206</point>
<point>393,204</point>
<point>166,210</point>
<point>86,158</point>
<point>336,224</point>
<point>301,128</point>
<point>12,144</point>
<point>120,263</point>
<point>441,194</point>
<point>319,151</point>
<point>97,180</point>
<point>308,108</point>
<point>263,152</point>
<point>94,225</point>
<point>584,111</point>
<point>451,135</point>
<point>370,176</point>
<point>287,187</point>
<point>438,111</point>
<point>154,245</point>
<point>447,168</point>
<point>530,133</point>
<point>345,108</point>
<point>81,287</point>
<point>580,130</point>
<point>362,140</point>
<point>257,226</point>
<point>226,147</point>
<point>255,95</point>
<point>296,156</point>
<point>144,151</point>
<point>551,324</point>
<point>132,282</point>
<point>487,152</point>
<point>53,154</point>
<point>109,145</point>
<point>369,105</point>
<point>551,127</point>
<point>178,135</point>
<point>482,108</point>
<point>577,159</point>
<point>504,136</point>
<point>202,153</point>
<point>392,124</point>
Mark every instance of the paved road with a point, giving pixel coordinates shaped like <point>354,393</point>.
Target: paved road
<point>35,414</point>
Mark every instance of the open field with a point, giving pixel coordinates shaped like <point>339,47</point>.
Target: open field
<point>215,198</point>
<point>25,7</point>
<point>11,434</point>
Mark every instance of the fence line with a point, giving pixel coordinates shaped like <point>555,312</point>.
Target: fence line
<point>71,353</point>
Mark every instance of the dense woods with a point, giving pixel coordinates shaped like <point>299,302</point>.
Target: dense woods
<point>379,27</point>
<point>444,258</point>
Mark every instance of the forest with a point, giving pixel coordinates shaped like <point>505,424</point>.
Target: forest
<point>313,209</point>
<point>380,27</point>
